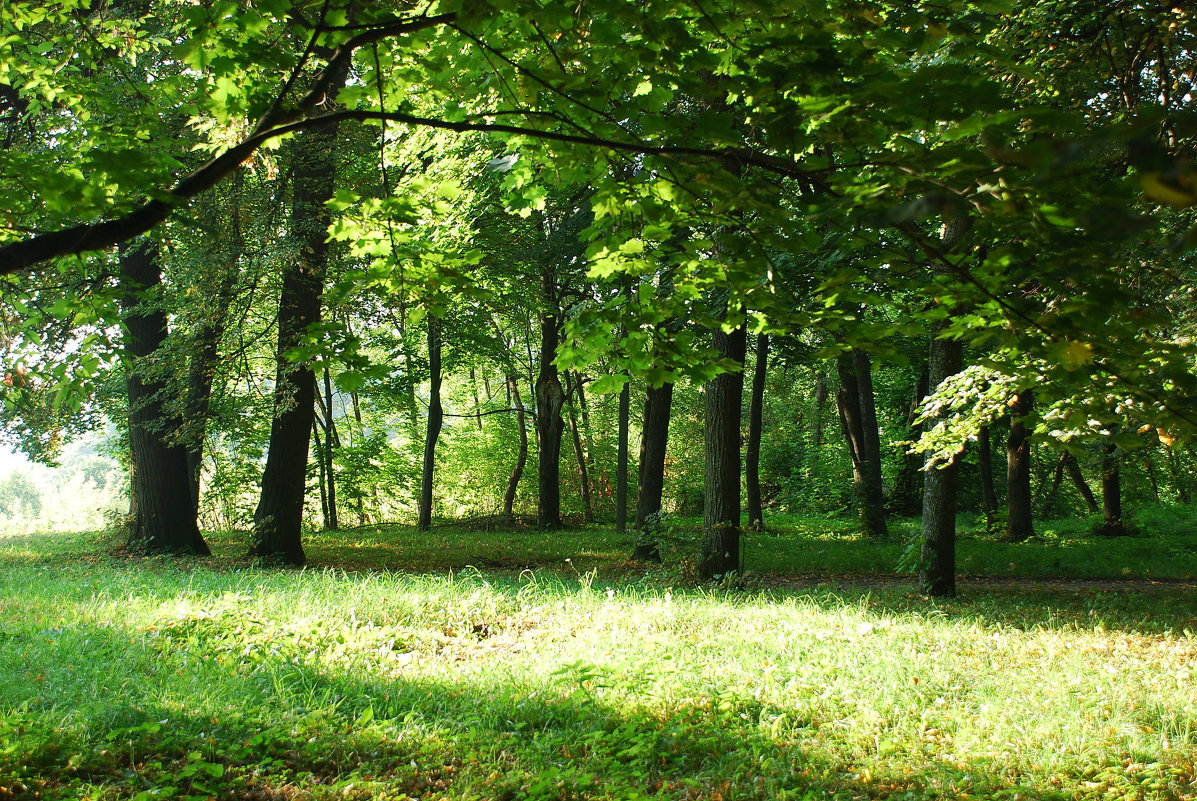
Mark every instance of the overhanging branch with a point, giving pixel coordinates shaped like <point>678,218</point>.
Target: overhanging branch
<point>21,255</point>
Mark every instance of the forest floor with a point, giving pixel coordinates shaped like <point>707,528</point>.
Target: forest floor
<point>479,665</point>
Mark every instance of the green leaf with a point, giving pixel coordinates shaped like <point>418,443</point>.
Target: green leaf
<point>608,384</point>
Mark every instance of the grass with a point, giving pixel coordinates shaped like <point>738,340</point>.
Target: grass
<point>407,675</point>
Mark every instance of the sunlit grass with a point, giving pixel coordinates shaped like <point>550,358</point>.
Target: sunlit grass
<point>172,678</point>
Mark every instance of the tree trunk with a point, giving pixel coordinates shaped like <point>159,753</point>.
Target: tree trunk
<point>323,466</point>
<point>517,470</point>
<point>820,405</point>
<point>621,461</point>
<point>721,507</point>
<point>1073,469</point>
<point>436,417</point>
<point>988,489</point>
<point>855,402</point>
<point>572,383</point>
<point>161,511</point>
<point>937,571</point>
<point>1111,492</point>
<point>549,424</point>
<point>279,517</point>
<point>1019,522</point>
<point>331,440</point>
<point>654,441</point>
<point>752,453</point>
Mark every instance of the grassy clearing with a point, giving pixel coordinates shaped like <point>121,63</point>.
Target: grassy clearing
<point>213,678</point>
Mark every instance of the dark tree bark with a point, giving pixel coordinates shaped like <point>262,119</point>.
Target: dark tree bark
<point>937,571</point>
<point>573,386</point>
<point>517,470</point>
<point>550,425</point>
<point>1067,464</point>
<point>988,489</point>
<point>161,512</point>
<point>721,512</point>
<point>1111,492</point>
<point>621,461</point>
<point>654,441</point>
<point>752,452</point>
<point>937,562</point>
<point>855,402</point>
<point>436,417</point>
<point>906,497</point>
<point>1019,521</point>
<point>279,517</point>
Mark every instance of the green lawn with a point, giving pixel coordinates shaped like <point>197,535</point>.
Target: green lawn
<point>553,669</point>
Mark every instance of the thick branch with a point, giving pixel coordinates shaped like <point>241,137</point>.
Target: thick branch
<point>21,255</point>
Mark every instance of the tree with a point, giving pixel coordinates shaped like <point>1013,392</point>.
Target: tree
<point>1019,525</point>
<point>278,518</point>
<point>752,452</point>
<point>721,512</point>
<point>161,512</point>
<point>858,417</point>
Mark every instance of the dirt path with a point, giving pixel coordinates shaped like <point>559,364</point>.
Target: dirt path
<point>964,583</point>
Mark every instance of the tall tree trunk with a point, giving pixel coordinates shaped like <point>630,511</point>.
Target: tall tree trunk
<point>621,460</point>
<point>752,452</point>
<point>1111,491</point>
<point>1019,522</point>
<point>937,572</point>
<point>573,384</point>
<point>906,497</point>
<point>436,417</point>
<point>331,441</point>
<point>937,563</point>
<point>721,506</point>
<point>854,402</point>
<point>654,441</point>
<point>161,512</point>
<point>323,466</point>
<point>988,489</point>
<point>517,470</point>
<point>278,520</point>
<point>820,405</point>
<point>550,426</point>
<point>1073,468</point>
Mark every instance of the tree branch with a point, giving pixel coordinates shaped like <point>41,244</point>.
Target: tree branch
<point>21,255</point>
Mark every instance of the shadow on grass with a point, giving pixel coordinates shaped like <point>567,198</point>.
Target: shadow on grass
<point>176,718</point>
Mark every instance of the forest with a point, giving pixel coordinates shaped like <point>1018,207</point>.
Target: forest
<point>610,310</point>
